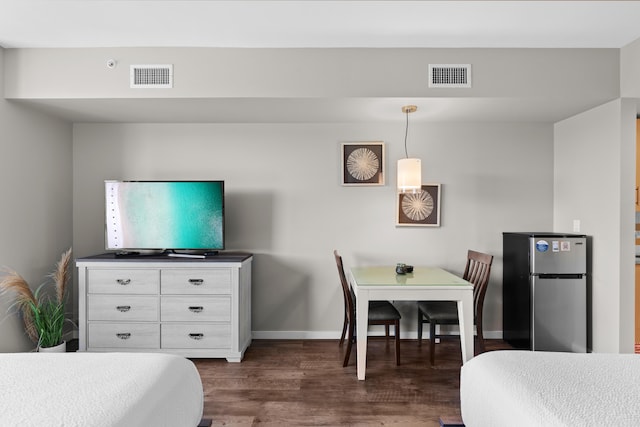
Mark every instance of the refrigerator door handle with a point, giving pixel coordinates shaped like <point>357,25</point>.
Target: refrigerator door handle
<point>560,276</point>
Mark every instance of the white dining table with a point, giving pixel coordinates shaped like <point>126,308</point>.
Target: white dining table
<point>424,283</point>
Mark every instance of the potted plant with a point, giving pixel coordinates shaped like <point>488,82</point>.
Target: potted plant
<point>43,311</point>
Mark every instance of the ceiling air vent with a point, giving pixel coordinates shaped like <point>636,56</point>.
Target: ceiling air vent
<point>449,75</point>
<point>151,76</point>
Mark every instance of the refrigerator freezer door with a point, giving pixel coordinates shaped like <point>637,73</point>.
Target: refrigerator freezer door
<point>558,255</point>
<point>559,308</point>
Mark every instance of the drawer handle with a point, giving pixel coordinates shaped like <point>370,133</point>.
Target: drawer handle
<point>123,282</point>
<point>123,308</point>
<point>124,335</point>
<point>196,309</point>
<point>196,282</point>
<point>196,336</point>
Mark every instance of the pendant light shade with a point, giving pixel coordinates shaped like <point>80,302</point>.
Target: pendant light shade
<point>409,169</point>
<point>409,175</point>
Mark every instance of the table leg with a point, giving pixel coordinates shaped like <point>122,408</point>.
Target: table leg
<point>465,316</point>
<point>362,323</point>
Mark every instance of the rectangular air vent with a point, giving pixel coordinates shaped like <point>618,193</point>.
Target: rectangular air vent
<point>151,76</point>
<point>449,75</point>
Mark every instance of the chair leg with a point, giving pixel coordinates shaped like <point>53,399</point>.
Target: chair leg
<point>396,329</point>
<point>344,328</point>
<point>419,328</point>
<point>350,340</point>
<point>432,342</point>
<point>386,332</point>
<point>480,337</point>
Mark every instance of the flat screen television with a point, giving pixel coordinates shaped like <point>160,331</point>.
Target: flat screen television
<point>164,215</point>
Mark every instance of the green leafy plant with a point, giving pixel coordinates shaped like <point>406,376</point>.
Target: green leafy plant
<point>43,311</point>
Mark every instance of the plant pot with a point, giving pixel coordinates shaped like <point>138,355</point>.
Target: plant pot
<point>60,348</point>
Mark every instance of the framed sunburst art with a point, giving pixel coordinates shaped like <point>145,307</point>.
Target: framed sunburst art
<point>419,209</point>
<point>362,163</point>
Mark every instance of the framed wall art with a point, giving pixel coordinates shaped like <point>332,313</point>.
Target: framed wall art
<point>362,163</point>
<point>420,209</point>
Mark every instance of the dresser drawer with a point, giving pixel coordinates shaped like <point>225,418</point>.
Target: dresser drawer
<point>196,281</point>
<point>124,335</point>
<point>125,281</point>
<point>196,308</point>
<point>195,335</point>
<point>125,308</point>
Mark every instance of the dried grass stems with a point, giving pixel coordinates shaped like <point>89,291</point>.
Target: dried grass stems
<point>42,314</point>
<point>25,300</point>
<point>60,276</point>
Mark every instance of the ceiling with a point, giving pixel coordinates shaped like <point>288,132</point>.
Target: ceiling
<point>323,23</point>
<point>313,24</point>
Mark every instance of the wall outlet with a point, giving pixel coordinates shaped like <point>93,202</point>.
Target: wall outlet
<point>576,225</point>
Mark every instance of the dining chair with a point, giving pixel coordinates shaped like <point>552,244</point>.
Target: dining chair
<point>477,271</point>
<point>380,313</point>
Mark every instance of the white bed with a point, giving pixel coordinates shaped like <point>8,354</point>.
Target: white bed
<point>524,388</point>
<point>99,390</point>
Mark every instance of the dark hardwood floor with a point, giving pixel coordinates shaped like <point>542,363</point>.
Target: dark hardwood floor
<point>302,382</point>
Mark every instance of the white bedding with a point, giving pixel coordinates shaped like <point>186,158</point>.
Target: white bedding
<point>524,388</point>
<point>99,390</point>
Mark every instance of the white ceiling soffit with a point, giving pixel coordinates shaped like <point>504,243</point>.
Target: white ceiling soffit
<point>325,23</point>
<point>306,110</point>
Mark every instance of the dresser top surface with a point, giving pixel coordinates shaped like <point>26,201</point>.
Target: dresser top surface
<point>220,257</point>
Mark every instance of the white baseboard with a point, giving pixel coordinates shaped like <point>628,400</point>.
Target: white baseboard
<point>295,335</point>
<point>334,335</point>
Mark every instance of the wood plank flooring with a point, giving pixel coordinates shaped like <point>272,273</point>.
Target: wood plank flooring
<point>302,382</point>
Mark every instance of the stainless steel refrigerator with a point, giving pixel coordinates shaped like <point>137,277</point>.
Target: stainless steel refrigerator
<point>545,291</point>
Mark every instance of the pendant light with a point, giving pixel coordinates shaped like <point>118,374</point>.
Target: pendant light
<point>409,169</point>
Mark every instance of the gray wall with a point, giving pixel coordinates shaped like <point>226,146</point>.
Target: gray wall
<point>594,183</point>
<point>315,73</point>
<point>285,202</point>
<point>35,218</point>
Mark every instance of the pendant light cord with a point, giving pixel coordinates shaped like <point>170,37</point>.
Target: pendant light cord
<point>406,131</point>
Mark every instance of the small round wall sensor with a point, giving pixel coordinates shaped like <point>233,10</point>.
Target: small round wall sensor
<point>111,63</point>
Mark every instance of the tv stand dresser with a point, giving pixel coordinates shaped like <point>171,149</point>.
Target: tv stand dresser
<point>199,308</point>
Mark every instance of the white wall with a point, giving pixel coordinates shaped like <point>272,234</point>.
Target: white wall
<point>594,171</point>
<point>285,202</point>
<point>35,218</point>
<point>630,70</point>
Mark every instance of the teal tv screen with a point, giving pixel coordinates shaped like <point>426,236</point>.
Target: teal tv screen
<point>164,215</point>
